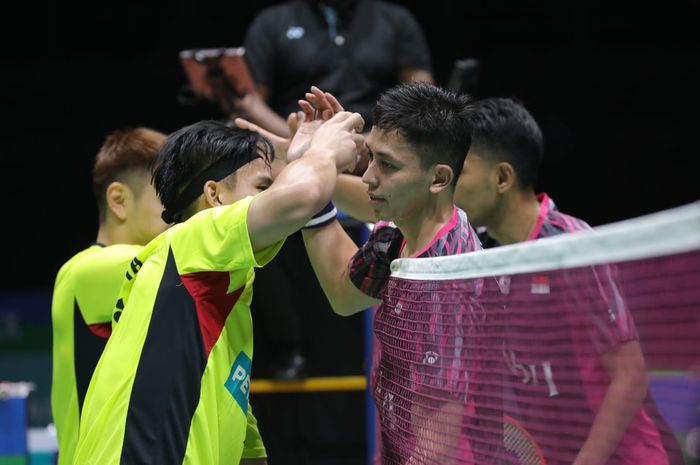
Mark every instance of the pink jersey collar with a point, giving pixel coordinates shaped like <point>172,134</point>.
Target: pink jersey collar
<point>543,199</point>
<point>444,230</point>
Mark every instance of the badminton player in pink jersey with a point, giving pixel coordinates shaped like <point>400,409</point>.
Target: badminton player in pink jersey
<point>423,380</point>
<point>584,367</point>
<point>417,147</point>
<point>586,401</point>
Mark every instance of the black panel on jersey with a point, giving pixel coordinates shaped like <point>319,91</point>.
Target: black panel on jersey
<point>168,379</point>
<point>87,350</point>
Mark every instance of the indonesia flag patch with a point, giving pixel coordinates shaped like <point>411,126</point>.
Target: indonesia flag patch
<point>539,285</point>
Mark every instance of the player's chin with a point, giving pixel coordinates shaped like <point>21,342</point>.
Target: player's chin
<point>382,214</point>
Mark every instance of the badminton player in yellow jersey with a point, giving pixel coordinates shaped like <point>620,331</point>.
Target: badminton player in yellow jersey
<point>87,285</point>
<point>172,384</point>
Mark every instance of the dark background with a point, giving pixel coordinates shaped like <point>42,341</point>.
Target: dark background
<point>613,84</point>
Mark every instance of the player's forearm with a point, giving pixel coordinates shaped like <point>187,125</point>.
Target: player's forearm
<point>300,191</point>
<point>258,111</point>
<point>277,166</point>
<point>330,249</point>
<point>307,184</point>
<point>437,433</point>
<point>350,196</point>
<point>621,403</point>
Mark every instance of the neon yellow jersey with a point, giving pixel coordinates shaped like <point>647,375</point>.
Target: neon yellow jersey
<point>85,291</point>
<point>172,384</point>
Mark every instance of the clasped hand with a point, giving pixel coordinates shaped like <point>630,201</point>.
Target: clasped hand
<point>319,110</point>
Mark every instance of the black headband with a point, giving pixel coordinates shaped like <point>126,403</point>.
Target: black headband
<point>214,172</point>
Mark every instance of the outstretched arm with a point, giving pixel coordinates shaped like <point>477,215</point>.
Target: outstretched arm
<point>437,433</point>
<point>351,197</point>
<point>350,193</point>
<point>256,109</point>
<point>281,144</point>
<point>305,185</point>
<point>622,401</point>
<point>330,250</point>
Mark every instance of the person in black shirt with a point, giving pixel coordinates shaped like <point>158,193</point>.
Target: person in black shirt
<point>354,49</point>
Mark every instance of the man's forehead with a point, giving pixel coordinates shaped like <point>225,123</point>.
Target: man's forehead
<point>378,135</point>
<point>389,143</point>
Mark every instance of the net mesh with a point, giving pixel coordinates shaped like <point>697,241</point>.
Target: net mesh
<point>585,345</point>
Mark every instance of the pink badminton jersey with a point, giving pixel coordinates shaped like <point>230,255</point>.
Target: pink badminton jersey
<point>560,325</point>
<point>420,364</point>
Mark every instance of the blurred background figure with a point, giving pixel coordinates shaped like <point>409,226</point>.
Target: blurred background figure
<point>353,49</point>
<point>88,284</point>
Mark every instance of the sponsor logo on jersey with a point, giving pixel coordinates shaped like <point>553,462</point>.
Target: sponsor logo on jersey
<point>238,381</point>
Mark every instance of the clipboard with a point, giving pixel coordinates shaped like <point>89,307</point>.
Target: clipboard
<point>217,74</point>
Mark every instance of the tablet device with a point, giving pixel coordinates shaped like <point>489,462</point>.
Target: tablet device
<point>214,73</point>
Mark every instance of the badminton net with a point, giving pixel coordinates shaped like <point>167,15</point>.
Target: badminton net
<point>585,344</point>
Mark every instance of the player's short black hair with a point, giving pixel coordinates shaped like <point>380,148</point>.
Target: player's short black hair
<point>434,121</point>
<point>503,130</point>
<point>206,150</point>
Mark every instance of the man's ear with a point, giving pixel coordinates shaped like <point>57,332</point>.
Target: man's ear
<point>505,176</point>
<point>442,178</point>
<point>212,191</point>
<point>118,197</point>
